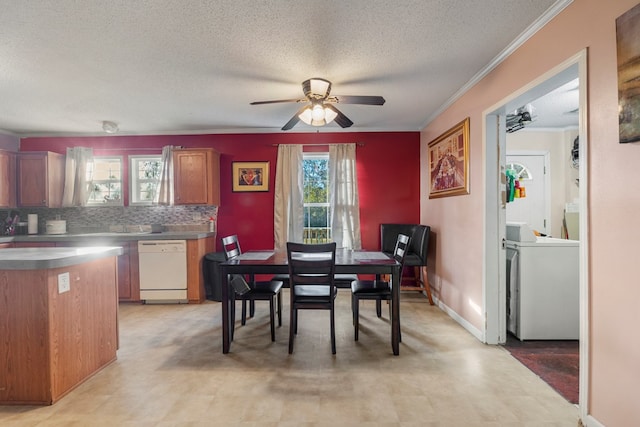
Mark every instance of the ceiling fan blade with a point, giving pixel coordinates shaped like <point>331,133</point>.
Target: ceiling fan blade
<point>277,101</point>
<point>367,100</point>
<point>295,119</point>
<point>342,120</point>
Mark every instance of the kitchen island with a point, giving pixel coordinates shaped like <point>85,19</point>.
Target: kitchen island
<point>58,320</point>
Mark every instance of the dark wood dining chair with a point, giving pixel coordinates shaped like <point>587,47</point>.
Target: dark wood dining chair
<point>417,254</point>
<point>252,291</point>
<point>378,290</point>
<point>311,282</point>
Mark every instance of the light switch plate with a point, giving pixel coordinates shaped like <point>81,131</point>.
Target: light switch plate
<point>64,283</point>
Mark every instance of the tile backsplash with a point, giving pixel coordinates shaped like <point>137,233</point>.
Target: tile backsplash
<point>91,219</point>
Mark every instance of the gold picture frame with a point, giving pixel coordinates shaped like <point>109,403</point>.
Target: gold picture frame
<point>448,160</point>
<point>628,58</point>
<point>250,176</point>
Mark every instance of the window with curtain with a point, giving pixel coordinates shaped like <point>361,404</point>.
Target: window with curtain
<point>144,179</point>
<point>315,179</point>
<point>105,176</point>
<point>316,197</point>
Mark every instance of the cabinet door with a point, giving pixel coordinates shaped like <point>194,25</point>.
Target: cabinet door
<point>8,180</point>
<point>196,177</point>
<point>32,173</point>
<point>40,179</point>
<point>128,289</point>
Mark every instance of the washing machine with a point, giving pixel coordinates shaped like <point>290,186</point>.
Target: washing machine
<point>543,286</point>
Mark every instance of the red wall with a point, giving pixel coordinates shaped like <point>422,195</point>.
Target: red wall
<point>388,166</point>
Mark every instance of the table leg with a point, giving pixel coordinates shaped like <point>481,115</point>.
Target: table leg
<point>226,341</point>
<point>395,310</point>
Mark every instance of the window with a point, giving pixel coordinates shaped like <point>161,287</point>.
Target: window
<point>144,179</point>
<point>522,172</point>
<point>317,223</point>
<point>105,176</point>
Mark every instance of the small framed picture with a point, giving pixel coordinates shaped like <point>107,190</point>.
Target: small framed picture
<point>250,176</point>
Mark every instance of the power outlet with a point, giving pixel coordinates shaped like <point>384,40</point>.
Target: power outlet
<point>196,216</point>
<point>64,283</point>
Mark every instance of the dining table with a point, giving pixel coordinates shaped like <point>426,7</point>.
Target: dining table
<point>275,262</point>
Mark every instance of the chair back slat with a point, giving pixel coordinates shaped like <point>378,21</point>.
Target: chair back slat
<point>231,246</point>
<point>401,249</point>
<point>311,264</point>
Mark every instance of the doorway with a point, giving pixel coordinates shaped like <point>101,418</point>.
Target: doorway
<point>495,208</point>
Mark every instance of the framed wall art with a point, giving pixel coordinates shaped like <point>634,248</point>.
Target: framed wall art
<point>628,45</point>
<point>449,162</point>
<point>250,176</point>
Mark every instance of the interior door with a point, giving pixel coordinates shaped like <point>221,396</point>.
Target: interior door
<point>533,173</point>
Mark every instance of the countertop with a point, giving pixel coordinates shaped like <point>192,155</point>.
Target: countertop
<point>45,258</point>
<point>108,237</point>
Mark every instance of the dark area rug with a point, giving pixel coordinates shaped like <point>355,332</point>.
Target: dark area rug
<point>556,362</point>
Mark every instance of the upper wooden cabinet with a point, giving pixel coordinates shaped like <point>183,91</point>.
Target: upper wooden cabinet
<point>196,174</point>
<point>40,179</point>
<point>8,179</point>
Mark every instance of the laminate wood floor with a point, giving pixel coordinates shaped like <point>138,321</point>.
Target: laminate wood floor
<point>171,372</point>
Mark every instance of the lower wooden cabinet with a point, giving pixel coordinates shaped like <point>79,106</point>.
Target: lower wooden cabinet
<point>128,276</point>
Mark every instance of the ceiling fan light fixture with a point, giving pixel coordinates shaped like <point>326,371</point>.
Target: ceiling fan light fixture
<point>316,88</point>
<point>317,115</point>
<point>110,127</point>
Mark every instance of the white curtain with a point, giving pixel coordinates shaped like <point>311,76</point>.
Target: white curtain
<point>345,206</point>
<point>288,206</point>
<point>164,195</point>
<point>76,186</point>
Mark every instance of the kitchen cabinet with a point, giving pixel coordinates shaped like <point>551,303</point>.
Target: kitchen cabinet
<point>196,174</point>
<point>128,276</point>
<point>40,179</point>
<point>8,179</point>
<point>196,250</point>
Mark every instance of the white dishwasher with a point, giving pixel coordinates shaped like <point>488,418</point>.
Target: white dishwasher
<point>163,271</point>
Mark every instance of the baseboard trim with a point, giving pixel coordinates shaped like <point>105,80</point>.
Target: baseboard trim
<point>460,320</point>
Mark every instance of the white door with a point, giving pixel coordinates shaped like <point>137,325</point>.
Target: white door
<point>532,172</point>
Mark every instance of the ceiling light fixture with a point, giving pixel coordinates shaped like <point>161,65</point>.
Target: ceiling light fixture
<point>110,127</point>
<point>317,115</point>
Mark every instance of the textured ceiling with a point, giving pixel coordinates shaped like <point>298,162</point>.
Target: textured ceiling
<point>170,67</point>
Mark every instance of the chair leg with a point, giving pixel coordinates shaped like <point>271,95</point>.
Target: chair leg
<point>272,317</point>
<point>292,326</point>
<point>333,330</point>
<point>425,283</point>
<point>379,307</point>
<point>356,316</point>
<point>232,315</point>
<point>279,308</point>
<point>252,308</point>
<point>243,321</point>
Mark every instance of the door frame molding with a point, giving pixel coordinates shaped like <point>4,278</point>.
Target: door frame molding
<point>494,279</point>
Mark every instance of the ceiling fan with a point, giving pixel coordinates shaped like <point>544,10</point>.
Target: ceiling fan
<point>320,109</point>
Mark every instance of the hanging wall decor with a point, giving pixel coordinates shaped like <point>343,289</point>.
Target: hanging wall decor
<point>250,176</point>
<point>628,42</point>
<point>449,162</point>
